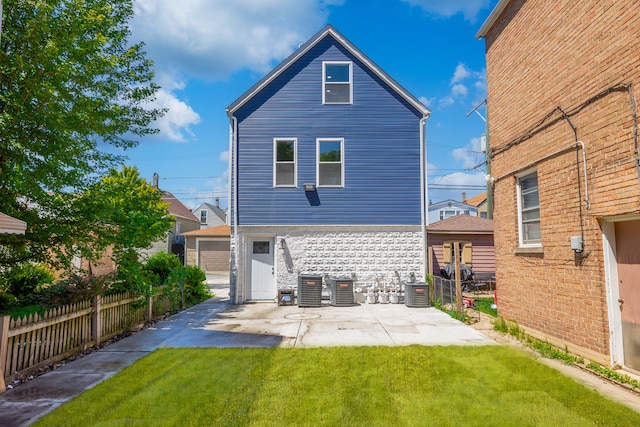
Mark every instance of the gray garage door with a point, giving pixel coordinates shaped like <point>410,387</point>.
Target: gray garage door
<point>214,256</point>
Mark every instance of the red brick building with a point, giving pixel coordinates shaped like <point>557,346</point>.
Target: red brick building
<point>561,78</point>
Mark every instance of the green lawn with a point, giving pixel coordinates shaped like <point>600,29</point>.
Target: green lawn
<point>341,386</point>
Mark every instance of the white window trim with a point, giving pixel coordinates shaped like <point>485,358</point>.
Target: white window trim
<point>350,83</point>
<point>521,243</point>
<point>318,141</point>
<point>295,161</point>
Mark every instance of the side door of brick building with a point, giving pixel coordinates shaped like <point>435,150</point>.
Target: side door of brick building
<point>627,237</point>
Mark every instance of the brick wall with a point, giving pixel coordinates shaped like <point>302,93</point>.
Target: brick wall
<point>544,54</point>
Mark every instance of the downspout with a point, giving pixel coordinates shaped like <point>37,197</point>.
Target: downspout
<point>233,201</point>
<point>425,191</point>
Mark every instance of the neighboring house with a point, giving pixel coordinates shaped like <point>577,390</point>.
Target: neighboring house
<point>184,221</point>
<point>475,237</point>
<point>565,167</point>
<point>210,215</point>
<point>208,248</point>
<point>479,201</point>
<point>448,208</point>
<point>11,225</point>
<point>327,172</point>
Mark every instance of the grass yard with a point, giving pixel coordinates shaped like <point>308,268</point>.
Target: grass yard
<point>340,386</point>
<point>484,305</point>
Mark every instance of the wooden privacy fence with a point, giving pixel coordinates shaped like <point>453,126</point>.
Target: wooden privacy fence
<point>30,343</point>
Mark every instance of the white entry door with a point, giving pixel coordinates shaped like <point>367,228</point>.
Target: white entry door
<point>262,284</point>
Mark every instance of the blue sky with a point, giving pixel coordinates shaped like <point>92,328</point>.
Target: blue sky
<point>209,52</point>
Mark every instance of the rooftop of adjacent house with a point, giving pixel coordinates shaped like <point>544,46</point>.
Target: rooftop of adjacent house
<point>462,224</point>
<point>477,200</point>
<point>448,203</point>
<point>176,208</point>
<point>213,208</point>
<point>11,225</point>
<point>327,31</point>
<point>219,231</point>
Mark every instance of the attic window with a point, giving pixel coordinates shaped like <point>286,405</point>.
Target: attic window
<point>336,83</point>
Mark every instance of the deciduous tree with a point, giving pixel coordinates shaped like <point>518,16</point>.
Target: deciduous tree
<point>72,87</point>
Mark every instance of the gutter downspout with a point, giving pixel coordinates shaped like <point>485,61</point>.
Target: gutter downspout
<point>425,191</point>
<point>233,201</point>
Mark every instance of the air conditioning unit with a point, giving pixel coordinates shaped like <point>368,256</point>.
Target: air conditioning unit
<point>309,291</point>
<point>342,293</point>
<point>416,294</point>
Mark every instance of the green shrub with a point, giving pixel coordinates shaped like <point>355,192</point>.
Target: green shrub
<point>6,300</point>
<point>160,266</point>
<point>195,285</point>
<point>26,279</point>
<point>190,283</point>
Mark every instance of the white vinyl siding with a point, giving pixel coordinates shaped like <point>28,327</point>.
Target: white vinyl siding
<point>337,85</point>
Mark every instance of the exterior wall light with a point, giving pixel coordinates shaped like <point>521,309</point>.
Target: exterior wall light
<point>309,187</point>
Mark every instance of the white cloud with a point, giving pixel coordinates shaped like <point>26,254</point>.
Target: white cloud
<point>211,39</point>
<point>447,8</point>
<point>224,156</point>
<point>471,155</point>
<point>459,90</point>
<point>176,121</point>
<point>465,82</point>
<point>461,73</point>
<point>427,102</point>
<point>446,101</point>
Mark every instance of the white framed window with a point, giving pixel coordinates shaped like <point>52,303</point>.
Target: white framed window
<point>330,155</point>
<point>337,85</point>
<point>285,168</point>
<point>203,216</point>
<point>528,210</point>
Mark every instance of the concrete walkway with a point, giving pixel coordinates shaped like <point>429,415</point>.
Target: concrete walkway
<point>217,323</point>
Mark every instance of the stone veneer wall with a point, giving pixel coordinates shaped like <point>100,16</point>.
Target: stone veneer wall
<point>342,251</point>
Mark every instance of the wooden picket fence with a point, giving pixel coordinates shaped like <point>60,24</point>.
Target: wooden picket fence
<point>35,341</point>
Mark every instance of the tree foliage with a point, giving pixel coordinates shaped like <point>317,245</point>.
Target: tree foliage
<point>71,87</point>
<point>129,214</point>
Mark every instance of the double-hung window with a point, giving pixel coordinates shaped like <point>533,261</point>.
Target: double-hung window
<point>330,168</point>
<point>528,210</point>
<point>337,83</point>
<point>284,159</point>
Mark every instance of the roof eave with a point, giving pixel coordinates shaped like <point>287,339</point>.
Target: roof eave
<point>493,17</point>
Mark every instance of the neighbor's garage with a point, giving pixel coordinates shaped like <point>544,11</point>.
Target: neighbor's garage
<point>209,248</point>
<point>213,255</point>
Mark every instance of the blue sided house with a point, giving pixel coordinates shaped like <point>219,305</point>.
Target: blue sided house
<point>327,173</point>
